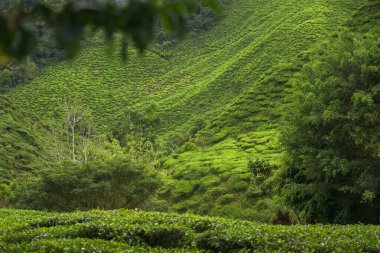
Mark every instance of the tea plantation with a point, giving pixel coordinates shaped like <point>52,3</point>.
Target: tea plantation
<point>137,231</point>
<point>196,126</point>
<point>219,97</point>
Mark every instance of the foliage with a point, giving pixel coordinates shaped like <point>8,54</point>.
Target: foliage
<point>241,100</point>
<point>135,130</point>
<point>226,84</point>
<point>5,195</point>
<point>332,139</point>
<point>260,167</point>
<point>47,51</point>
<point>5,78</point>
<point>21,142</point>
<point>136,231</point>
<point>282,217</point>
<point>135,20</point>
<point>109,184</point>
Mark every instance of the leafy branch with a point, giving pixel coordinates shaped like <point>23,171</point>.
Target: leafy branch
<point>135,20</point>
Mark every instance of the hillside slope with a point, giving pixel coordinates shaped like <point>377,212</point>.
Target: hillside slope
<point>21,142</point>
<point>227,84</point>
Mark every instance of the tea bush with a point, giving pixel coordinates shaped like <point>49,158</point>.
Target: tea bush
<point>137,231</point>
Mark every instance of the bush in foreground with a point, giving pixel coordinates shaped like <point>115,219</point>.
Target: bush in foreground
<point>136,231</point>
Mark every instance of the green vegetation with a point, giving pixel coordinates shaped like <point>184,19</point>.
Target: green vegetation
<point>217,98</point>
<point>22,142</point>
<point>271,114</point>
<point>136,231</point>
<point>134,19</point>
<point>46,42</point>
<point>268,114</point>
<point>332,135</point>
<point>110,184</point>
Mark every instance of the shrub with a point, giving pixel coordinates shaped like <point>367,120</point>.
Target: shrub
<point>137,231</point>
<point>5,78</point>
<point>188,146</point>
<point>260,167</point>
<point>5,195</point>
<point>166,237</point>
<point>282,217</point>
<point>106,184</point>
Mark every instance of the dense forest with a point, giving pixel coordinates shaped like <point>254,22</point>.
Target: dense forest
<point>208,137</point>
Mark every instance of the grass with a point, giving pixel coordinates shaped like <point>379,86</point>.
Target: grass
<point>136,231</point>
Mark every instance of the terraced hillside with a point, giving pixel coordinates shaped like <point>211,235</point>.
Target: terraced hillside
<point>21,142</point>
<point>219,97</point>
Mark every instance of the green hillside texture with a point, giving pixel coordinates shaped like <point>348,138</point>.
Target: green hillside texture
<point>21,142</point>
<point>228,83</point>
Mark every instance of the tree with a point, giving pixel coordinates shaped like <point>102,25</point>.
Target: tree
<point>332,141</point>
<point>136,132</point>
<point>78,125</point>
<point>135,20</point>
<point>75,136</point>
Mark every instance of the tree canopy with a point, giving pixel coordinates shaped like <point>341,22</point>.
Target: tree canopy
<point>106,184</point>
<point>332,136</point>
